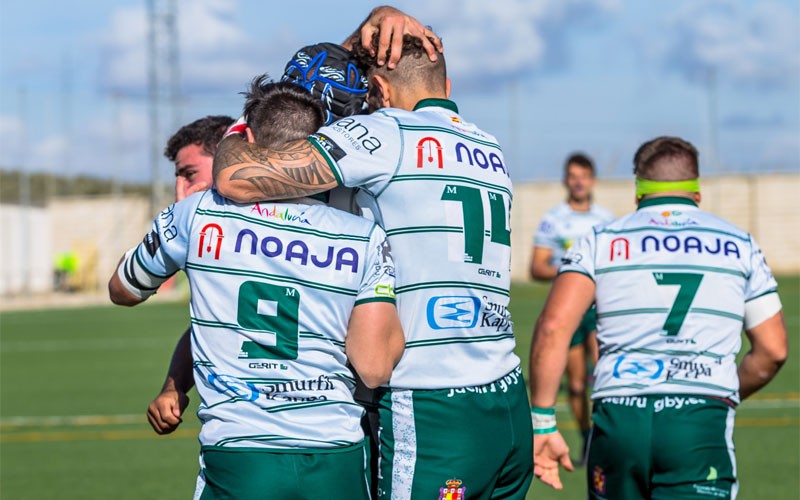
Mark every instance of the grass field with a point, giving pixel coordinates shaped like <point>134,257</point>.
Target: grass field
<point>74,386</point>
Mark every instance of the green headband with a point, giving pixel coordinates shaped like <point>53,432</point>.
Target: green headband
<point>644,186</point>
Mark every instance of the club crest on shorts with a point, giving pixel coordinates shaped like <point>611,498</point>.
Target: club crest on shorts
<point>599,480</point>
<point>453,490</point>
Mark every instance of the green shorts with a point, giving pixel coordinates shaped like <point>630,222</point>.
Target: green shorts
<point>477,441</point>
<point>245,475</point>
<point>661,446</point>
<point>587,326</point>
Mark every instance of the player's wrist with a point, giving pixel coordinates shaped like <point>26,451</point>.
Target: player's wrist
<point>543,419</point>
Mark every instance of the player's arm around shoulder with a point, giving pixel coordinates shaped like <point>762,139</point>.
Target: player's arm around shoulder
<point>245,172</point>
<point>375,340</point>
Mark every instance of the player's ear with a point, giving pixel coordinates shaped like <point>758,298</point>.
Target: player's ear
<point>250,137</point>
<point>379,94</point>
<point>697,198</point>
<point>447,87</point>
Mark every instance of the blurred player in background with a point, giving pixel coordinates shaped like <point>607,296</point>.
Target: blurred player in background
<point>455,414</point>
<point>673,286</point>
<point>280,304</point>
<point>561,226</point>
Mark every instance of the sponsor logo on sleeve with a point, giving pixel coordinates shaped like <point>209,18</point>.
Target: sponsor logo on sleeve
<point>357,134</point>
<point>571,258</point>
<point>151,243</point>
<point>330,146</point>
<point>453,311</point>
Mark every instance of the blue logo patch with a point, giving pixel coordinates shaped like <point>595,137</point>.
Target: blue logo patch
<point>638,368</point>
<point>453,311</point>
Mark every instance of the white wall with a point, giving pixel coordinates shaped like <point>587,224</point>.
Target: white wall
<point>26,250</point>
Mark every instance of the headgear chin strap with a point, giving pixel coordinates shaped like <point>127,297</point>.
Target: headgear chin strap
<point>644,186</point>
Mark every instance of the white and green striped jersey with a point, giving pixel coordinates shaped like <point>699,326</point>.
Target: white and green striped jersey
<point>273,286</point>
<point>671,286</point>
<point>440,188</point>
<point>562,226</point>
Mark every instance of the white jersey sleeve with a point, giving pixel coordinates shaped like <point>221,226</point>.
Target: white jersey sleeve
<point>378,282</point>
<point>580,257</point>
<point>362,150</point>
<point>761,281</point>
<point>163,250</point>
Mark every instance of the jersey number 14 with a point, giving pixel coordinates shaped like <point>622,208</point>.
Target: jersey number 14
<point>475,232</point>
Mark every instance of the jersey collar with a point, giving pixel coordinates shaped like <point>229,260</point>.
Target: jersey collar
<point>666,200</point>
<point>438,103</point>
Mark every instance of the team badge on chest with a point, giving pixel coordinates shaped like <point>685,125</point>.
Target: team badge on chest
<point>453,490</point>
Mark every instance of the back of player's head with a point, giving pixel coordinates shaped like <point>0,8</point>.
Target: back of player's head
<point>206,132</point>
<point>582,160</point>
<point>414,70</point>
<point>330,73</point>
<point>279,112</point>
<point>666,159</point>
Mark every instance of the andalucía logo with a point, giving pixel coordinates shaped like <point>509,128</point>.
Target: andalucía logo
<point>453,311</point>
<point>453,490</point>
<point>284,215</point>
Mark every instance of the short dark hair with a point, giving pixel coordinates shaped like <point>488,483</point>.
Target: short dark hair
<point>206,132</point>
<point>580,159</point>
<point>279,112</point>
<point>413,69</point>
<point>666,159</point>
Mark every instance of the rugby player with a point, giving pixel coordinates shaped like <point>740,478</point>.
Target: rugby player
<point>455,414</point>
<point>561,226</point>
<point>283,297</point>
<point>673,285</point>
<point>324,70</point>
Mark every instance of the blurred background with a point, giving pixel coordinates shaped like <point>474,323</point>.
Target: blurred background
<point>91,91</point>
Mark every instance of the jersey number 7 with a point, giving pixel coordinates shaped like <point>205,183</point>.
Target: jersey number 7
<point>688,283</point>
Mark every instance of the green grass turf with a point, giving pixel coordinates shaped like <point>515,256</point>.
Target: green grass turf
<point>109,361</point>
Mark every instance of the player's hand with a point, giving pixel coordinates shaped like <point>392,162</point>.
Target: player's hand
<point>550,451</point>
<point>164,412</point>
<point>392,24</point>
<point>184,189</point>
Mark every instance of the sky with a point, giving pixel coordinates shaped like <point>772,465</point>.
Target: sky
<point>547,77</point>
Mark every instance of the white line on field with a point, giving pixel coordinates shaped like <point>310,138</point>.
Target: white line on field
<point>109,344</point>
<point>90,420</point>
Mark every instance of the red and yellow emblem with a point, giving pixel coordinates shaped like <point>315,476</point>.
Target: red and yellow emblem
<point>599,480</point>
<point>453,490</point>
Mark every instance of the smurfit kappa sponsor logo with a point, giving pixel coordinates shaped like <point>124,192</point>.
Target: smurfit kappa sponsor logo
<point>637,368</point>
<point>453,311</point>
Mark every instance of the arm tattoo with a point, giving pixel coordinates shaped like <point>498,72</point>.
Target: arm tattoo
<point>296,169</point>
